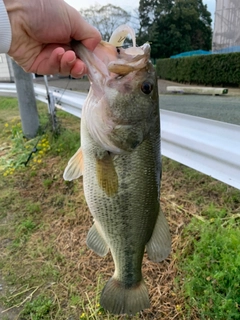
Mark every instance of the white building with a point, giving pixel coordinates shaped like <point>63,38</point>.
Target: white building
<point>226,35</point>
<point>6,71</point>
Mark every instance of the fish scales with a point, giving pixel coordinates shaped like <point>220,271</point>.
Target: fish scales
<point>121,165</point>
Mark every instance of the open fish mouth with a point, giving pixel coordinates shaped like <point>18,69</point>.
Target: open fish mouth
<point>110,59</point>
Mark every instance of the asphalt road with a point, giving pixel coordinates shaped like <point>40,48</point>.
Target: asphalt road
<point>224,108</point>
<point>221,108</point>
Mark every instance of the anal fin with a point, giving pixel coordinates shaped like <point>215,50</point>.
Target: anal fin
<point>159,246</point>
<point>96,242</point>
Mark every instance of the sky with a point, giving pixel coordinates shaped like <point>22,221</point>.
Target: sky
<point>126,4</point>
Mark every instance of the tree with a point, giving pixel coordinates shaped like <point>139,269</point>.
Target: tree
<point>106,18</point>
<point>174,26</point>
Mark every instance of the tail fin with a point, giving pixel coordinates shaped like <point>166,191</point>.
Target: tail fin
<point>118,299</point>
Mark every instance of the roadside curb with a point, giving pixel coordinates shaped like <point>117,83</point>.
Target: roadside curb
<point>180,88</point>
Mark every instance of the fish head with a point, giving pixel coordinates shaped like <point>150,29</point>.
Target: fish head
<point>123,99</point>
<point>132,97</point>
<point>132,79</point>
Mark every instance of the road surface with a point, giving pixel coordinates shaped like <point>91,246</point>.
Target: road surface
<point>221,108</point>
<point>224,108</point>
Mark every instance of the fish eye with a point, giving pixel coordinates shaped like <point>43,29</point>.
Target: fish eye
<point>147,87</point>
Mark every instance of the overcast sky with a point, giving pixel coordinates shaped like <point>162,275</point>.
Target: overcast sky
<point>125,4</point>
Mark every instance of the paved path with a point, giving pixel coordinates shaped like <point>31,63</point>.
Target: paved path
<point>221,108</point>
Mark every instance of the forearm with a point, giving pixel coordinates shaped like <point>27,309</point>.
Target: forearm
<point>5,29</point>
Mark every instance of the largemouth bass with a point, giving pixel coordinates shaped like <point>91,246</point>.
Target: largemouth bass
<point>120,162</point>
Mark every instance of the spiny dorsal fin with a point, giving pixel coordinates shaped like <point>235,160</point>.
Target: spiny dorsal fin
<point>106,174</point>
<point>74,168</point>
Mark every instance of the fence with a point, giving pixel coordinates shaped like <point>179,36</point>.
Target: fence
<point>209,146</point>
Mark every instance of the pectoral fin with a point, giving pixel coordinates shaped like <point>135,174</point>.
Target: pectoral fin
<point>159,246</point>
<point>74,168</point>
<point>96,241</point>
<point>106,174</point>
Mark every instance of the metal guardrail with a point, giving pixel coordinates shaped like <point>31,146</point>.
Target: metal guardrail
<point>66,100</point>
<point>209,146</point>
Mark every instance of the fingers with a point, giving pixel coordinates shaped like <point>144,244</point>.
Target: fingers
<point>91,43</point>
<point>70,64</point>
<point>56,60</point>
<point>79,69</point>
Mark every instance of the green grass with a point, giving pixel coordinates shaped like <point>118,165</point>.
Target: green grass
<point>210,266</point>
<point>38,309</point>
<point>18,149</point>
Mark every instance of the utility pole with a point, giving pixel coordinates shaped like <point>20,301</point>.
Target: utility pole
<point>26,101</point>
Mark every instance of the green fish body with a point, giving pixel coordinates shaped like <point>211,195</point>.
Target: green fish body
<point>121,165</point>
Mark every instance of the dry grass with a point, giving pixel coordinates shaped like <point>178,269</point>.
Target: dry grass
<point>74,270</point>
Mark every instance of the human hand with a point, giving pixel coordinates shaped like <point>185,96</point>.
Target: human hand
<point>41,35</point>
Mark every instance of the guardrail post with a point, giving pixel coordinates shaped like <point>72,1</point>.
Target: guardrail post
<point>26,101</point>
<point>51,105</point>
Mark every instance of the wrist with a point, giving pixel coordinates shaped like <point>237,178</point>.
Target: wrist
<point>15,13</point>
<point>5,29</point>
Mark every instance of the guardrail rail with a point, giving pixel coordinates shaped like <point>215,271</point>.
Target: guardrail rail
<point>211,147</point>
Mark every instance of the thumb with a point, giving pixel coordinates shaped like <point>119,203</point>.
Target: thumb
<point>82,31</point>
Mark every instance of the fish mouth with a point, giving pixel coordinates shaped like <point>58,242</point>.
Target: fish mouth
<point>109,60</point>
<point>130,60</point>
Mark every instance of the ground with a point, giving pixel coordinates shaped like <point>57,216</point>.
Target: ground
<point>47,271</point>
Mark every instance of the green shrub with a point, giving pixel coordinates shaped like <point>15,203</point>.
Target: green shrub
<point>216,69</point>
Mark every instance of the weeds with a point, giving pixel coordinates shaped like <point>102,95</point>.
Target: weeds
<point>19,152</point>
<point>37,309</point>
<point>20,149</point>
<point>92,308</point>
<point>210,266</point>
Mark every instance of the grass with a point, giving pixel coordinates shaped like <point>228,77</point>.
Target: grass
<point>38,308</point>
<point>210,265</point>
<point>46,270</point>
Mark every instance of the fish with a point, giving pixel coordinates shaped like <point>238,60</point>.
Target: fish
<point>120,161</point>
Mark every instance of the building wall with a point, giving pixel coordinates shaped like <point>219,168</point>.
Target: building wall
<point>226,25</point>
<point>6,72</point>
